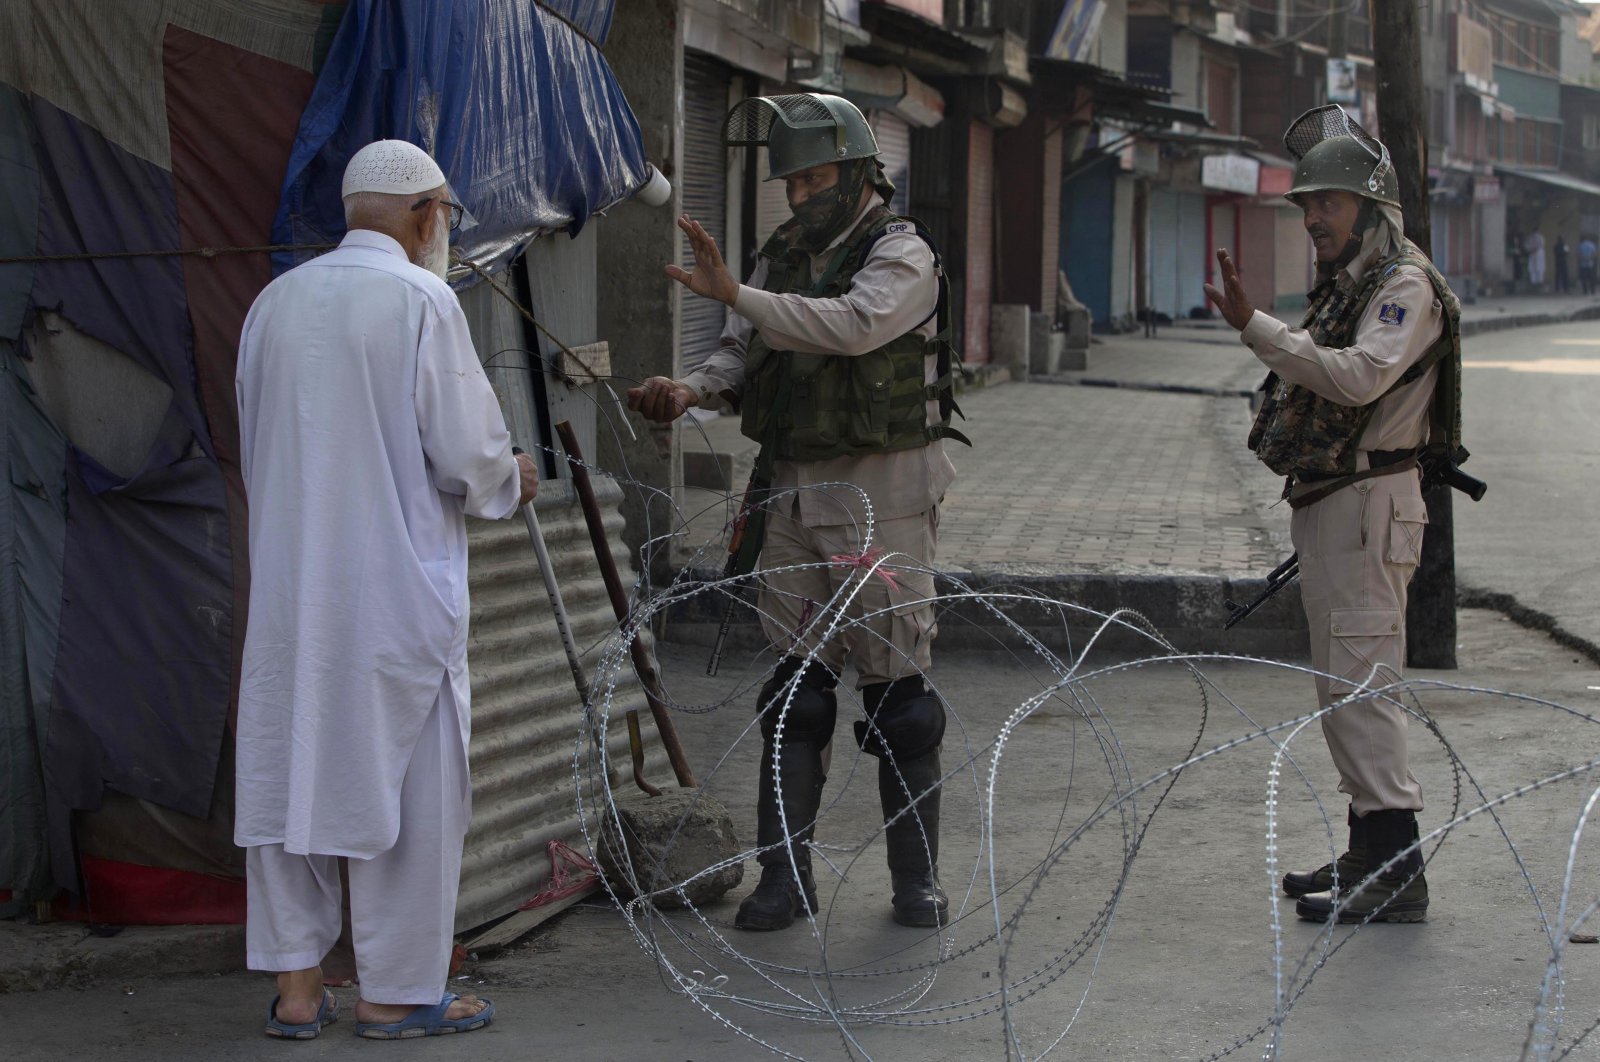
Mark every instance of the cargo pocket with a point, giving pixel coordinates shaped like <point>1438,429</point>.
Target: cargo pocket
<point>912,615</point>
<point>1362,640</point>
<point>1406,523</point>
<point>872,383</point>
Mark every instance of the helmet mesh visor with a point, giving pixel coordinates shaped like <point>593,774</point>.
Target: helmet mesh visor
<point>1331,122</point>
<point>751,121</point>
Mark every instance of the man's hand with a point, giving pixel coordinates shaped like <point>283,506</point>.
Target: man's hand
<point>662,399</point>
<point>710,277</point>
<point>528,473</point>
<point>1236,309</point>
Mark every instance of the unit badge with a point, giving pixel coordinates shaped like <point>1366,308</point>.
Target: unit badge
<point>1392,313</point>
<point>899,226</point>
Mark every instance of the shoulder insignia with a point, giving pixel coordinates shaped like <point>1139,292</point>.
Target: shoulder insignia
<point>899,226</point>
<point>1392,313</point>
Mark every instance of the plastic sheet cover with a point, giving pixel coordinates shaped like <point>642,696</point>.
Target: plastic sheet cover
<point>512,98</point>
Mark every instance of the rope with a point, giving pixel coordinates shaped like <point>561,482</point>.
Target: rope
<point>213,252</point>
<point>564,20</point>
<point>201,252</point>
<point>512,299</point>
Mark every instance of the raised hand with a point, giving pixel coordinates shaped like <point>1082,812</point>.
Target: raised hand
<point>1231,300</point>
<point>710,277</point>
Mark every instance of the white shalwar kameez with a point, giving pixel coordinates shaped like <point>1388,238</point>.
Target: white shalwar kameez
<point>366,428</point>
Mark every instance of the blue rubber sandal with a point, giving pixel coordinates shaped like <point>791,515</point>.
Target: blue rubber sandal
<point>327,1014</point>
<point>427,1021</point>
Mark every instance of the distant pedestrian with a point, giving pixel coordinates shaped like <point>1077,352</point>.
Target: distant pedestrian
<point>1563,282</point>
<point>366,430</point>
<point>1586,264</point>
<point>1534,245</point>
<point>1368,380</point>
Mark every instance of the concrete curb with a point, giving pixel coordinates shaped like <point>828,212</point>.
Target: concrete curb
<point>1523,616</point>
<point>995,610</point>
<point>1527,320</point>
<point>67,955</point>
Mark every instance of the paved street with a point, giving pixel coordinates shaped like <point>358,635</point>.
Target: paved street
<point>1070,474</point>
<point>1186,970</point>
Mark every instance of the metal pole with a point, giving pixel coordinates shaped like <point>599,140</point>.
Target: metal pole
<point>642,663</point>
<point>568,642</point>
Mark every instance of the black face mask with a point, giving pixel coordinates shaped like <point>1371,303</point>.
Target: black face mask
<point>825,214</point>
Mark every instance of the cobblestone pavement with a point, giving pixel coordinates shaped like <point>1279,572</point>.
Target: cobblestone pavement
<point>1136,465</point>
<point>1063,477</point>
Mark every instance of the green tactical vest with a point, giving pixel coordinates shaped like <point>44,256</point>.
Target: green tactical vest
<point>812,407</point>
<point>1298,430</point>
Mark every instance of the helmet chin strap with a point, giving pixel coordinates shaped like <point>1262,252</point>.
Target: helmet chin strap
<point>1358,232</point>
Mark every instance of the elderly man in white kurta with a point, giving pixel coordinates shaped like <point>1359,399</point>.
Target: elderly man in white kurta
<point>367,429</point>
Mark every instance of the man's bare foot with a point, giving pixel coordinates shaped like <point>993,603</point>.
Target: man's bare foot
<point>389,1013</point>
<point>299,996</point>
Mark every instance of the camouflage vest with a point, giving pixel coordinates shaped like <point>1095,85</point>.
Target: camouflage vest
<point>1298,430</point>
<point>811,407</point>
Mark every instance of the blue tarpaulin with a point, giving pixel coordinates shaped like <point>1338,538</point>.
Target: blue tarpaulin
<point>512,98</point>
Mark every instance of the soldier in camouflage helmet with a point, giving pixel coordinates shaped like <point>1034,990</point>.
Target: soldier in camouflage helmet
<point>837,356</point>
<point>1367,385</point>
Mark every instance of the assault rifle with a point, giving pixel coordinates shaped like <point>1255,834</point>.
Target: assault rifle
<point>1437,470</point>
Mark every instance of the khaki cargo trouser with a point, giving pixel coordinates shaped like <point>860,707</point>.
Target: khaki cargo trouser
<point>1358,550</point>
<point>892,610</point>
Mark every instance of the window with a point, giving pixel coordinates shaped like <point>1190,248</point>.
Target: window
<point>1591,132</point>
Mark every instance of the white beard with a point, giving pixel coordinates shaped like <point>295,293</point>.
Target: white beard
<point>434,256</point>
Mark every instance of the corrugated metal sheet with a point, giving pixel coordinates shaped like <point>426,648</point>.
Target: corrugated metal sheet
<point>706,85</point>
<point>525,709</point>
<point>980,241</point>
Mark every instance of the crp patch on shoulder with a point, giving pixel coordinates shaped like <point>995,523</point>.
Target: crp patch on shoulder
<point>1392,313</point>
<point>899,226</point>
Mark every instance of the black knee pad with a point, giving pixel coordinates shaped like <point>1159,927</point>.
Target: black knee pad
<point>812,709</point>
<point>906,721</point>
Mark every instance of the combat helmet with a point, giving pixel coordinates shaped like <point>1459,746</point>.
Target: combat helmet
<point>1333,151</point>
<point>800,131</point>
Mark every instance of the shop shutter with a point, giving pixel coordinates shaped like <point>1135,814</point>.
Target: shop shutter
<point>705,195</point>
<point>894,150</point>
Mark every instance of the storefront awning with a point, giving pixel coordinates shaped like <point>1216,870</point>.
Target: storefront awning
<point>1555,178</point>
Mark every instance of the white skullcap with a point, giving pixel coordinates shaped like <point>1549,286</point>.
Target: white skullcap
<point>397,167</point>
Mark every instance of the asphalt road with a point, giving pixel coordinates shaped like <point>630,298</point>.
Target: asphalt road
<point>1530,399</point>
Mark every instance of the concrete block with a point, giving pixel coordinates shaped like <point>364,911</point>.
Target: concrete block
<point>667,845</point>
<point>1072,359</point>
<point>1008,337</point>
<point>1077,320</point>
<point>1043,353</point>
<point>709,471</point>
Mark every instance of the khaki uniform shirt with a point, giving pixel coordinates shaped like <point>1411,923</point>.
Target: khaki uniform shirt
<point>1401,322</point>
<point>894,293</point>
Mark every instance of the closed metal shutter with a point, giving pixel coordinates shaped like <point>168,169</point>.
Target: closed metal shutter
<point>893,134</point>
<point>980,241</point>
<point>705,194</point>
<point>933,202</point>
<point>1050,237</point>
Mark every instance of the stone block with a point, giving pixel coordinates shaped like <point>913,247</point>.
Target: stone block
<point>666,845</point>
<point>1071,358</point>
<point>709,471</point>
<point>1044,353</point>
<point>1008,337</point>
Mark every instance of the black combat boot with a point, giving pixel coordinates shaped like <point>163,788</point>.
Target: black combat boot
<point>1398,894</point>
<point>782,894</point>
<point>1351,866</point>
<point>912,840</point>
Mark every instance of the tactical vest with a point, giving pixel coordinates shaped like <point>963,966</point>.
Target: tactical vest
<point>812,407</point>
<point>1298,430</point>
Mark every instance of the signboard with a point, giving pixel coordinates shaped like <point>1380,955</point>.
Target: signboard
<point>1275,180</point>
<point>1342,81</point>
<point>1231,173</point>
<point>1486,189</point>
<point>1077,30</point>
